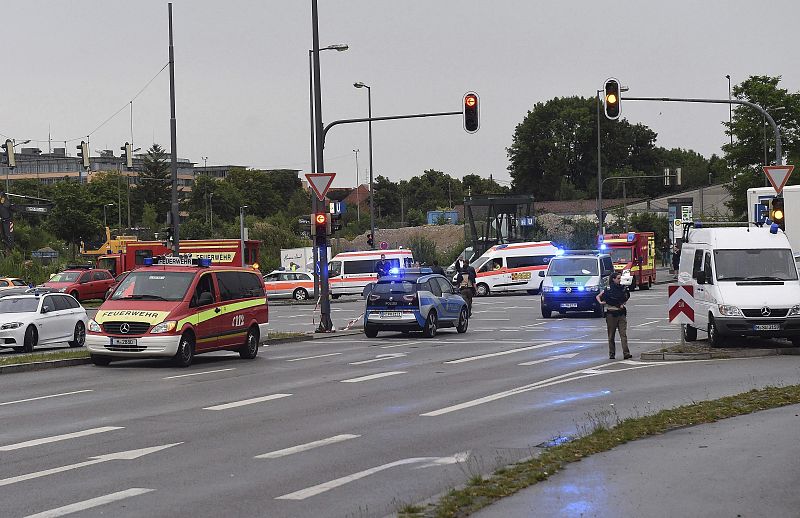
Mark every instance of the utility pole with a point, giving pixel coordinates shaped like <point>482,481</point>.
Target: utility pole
<point>174,142</point>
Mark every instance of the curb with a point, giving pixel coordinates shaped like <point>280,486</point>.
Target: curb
<point>38,366</point>
<point>52,364</point>
<point>714,355</point>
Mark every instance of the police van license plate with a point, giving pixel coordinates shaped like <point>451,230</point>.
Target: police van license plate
<point>391,314</point>
<point>123,341</point>
<point>766,327</point>
<point>569,305</point>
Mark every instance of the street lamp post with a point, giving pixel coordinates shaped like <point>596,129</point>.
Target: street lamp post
<point>211,210</point>
<point>105,219</point>
<point>205,173</point>
<point>241,229</point>
<point>371,187</point>
<point>339,47</point>
<point>730,108</point>
<point>358,199</point>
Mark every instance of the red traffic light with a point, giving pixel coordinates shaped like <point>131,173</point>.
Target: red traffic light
<point>471,112</point>
<point>321,218</point>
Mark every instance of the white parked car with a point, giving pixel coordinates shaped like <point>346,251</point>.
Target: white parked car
<point>27,321</point>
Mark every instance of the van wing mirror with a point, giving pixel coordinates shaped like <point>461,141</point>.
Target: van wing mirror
<point>541,273</point>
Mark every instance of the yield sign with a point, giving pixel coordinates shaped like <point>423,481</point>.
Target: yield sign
<point>320,182</point>
<point>681,304</point>
<point>777,175</point>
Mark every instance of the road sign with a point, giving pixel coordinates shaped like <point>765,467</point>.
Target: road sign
<point>320,182</point>
<point>681,304</point>
<point>384,245</point>
<point>778,175</point>
<point>686,213</point>
<point>678,223</point>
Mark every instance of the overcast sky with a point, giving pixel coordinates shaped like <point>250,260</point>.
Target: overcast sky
<point>242,73</point>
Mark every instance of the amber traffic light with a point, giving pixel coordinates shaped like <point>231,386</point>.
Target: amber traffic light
<point>612,98</point>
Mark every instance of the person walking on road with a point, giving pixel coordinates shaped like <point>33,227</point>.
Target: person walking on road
<point>665,252</point>
<point>614,298</point>
<point>436,268</point>
<point>465,281</point>
<point>382,267</point>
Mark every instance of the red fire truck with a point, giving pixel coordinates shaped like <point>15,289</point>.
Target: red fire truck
<point>222,252</point>
<point>634,254</point>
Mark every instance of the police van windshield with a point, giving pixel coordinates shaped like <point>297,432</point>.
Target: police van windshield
<point>755,265</point>
<point>154,285</point>
<point>394,287</point>
<point>573,266</point>
<point>621,255</point>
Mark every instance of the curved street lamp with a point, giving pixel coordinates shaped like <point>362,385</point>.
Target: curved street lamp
<point>359,84</point>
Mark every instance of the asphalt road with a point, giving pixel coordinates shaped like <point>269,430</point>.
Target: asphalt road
<point>347,426</point>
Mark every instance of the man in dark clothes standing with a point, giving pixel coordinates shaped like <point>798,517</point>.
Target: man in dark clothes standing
<point>614,298</point>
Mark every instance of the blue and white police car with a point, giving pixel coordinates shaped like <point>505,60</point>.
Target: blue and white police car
<point>414,299</point>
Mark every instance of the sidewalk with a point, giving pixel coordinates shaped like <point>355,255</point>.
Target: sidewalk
<point>742,466</point>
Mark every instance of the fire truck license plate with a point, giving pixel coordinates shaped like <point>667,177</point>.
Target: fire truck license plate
<point>123,341</point>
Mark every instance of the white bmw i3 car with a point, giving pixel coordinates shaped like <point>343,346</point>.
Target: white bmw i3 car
<point>27,321</point>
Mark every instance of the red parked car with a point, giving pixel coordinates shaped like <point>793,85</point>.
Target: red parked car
<point>82,284</point>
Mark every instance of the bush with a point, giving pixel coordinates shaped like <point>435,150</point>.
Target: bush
<point>424,249</point>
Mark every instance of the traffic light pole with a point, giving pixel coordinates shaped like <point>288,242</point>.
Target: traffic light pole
<point>325,323</point>
<point>778,150</point>
<point>173,142</point>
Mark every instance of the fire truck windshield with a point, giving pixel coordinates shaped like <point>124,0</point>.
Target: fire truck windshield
<point>621,255</point>
<point>148,284</point>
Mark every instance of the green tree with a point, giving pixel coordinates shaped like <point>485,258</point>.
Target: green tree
<point>558,139</point>
<point>154,185</point>
<point>69,219</point>
<point>150,219</point>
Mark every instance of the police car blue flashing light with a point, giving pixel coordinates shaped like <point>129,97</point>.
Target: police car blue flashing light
<point>560,251</point>
<point>773,229</point>
<point>603,246</point>
<point>581,288</point>
<point>394,271</point>
<point>556,288</point>
<point>423,270</point>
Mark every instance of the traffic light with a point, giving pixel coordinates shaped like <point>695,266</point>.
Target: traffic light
<point>320,224</point>
<point>83,153</point>
<point>11,160</point>
<point>612,98</point>
<point>127,153</point>
<point>370,241</point>
<point>777,214</point>
<point>336,222</point>
<point>472,112</point>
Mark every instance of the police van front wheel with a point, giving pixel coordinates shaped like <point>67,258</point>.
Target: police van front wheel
<point>546,313</point>
<point>185,354</point>
<point>250,348</point>
<point>463,321</point>
<point>481,290</point>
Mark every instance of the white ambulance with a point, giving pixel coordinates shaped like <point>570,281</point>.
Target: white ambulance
<point>513,267</point>
<point>350,272</point>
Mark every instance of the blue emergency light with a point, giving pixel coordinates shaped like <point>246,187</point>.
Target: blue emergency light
<point>204,262</point>
<point>603,246</point>
<point>773,229</point>
<point>560,251</point>
<point>147,261</point>
<point>394,271</point>
<point>631,237</point>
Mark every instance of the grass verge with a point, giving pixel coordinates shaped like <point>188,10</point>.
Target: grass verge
<point>43,357</point>
<point>599,436</point>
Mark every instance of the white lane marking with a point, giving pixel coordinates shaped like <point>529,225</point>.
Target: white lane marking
<point>333,484</point>
<point>92,502</point>
<point>56,438</point>
<point>534,325</point>
<point>556,380</point>
<point>549,359</point>
<point>122,455</point>
<point>198,373</point>
<point>647,323</point>
<point>495,319</point>
<point>45,397</point>
<point>373,377</point>
<point>379,358</point>
<point>649,305</point>
<point>312,357</point>
<point>244,402</point>
<point>305,447</point>
<point>400,345</point>
<point>503,353</point>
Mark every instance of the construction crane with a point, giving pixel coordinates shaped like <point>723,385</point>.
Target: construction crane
<point>17,203</point>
